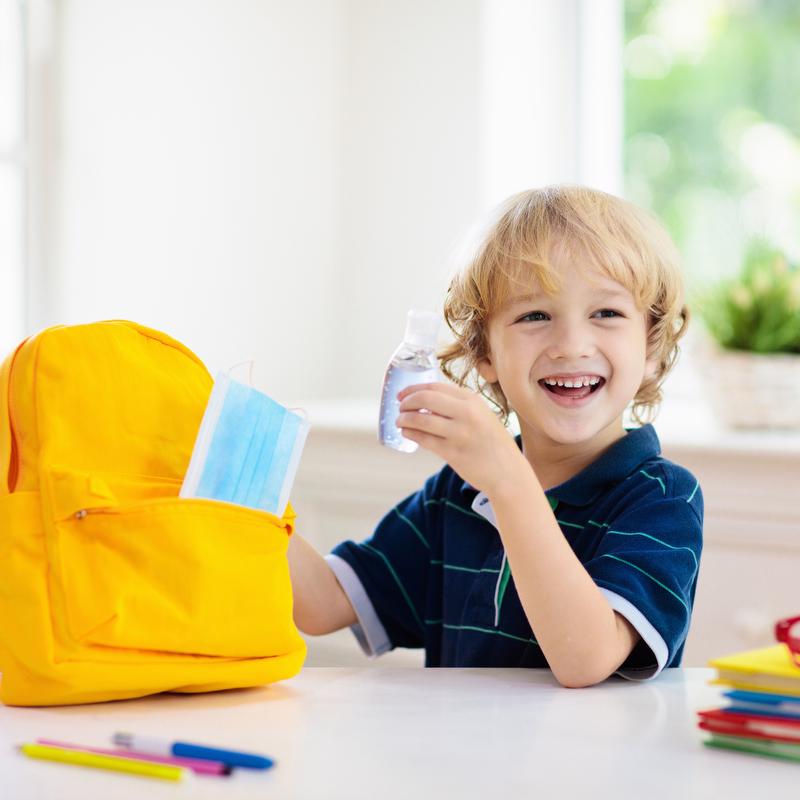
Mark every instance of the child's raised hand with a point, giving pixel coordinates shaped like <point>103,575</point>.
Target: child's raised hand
<point>457,425</point>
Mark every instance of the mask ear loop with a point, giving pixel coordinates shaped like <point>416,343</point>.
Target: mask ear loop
<point>301,412</point>
<point>249,361</point>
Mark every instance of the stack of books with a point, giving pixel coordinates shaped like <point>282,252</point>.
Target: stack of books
<point>762,714</point>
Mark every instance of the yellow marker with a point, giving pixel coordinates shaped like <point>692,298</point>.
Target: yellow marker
<point>83,759</point>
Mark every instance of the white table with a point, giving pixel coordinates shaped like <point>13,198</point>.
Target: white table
<point>409,733</point>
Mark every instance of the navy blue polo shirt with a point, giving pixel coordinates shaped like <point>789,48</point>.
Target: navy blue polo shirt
<point>434,574</point>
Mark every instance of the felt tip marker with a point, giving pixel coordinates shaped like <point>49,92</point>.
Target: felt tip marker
<point>163,747</point>
<point>201,767</point>
<point>81,758</point>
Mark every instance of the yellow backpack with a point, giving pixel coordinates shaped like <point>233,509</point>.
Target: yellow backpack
<point>110,585</point>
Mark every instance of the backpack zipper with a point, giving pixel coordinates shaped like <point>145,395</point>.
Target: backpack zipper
<point>13,467</point>
<point>139,505</point>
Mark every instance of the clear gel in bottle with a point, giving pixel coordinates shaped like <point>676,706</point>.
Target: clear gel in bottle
<point>413,362</point>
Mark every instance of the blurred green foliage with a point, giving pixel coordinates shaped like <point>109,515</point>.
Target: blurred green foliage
<point>759,310</point>
<point>712,115</point>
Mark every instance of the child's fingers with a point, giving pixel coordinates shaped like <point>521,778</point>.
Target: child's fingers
<point>433,443</point>
<point>435,402</point>
<point>432,424</point>
<point>439,387</point>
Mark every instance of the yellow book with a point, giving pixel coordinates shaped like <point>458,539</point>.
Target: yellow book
<point>769,669</point>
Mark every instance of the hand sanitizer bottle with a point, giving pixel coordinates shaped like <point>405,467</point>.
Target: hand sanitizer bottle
<point>413,362</point>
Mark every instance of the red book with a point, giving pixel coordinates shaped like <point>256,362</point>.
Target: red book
<point>756,726</point>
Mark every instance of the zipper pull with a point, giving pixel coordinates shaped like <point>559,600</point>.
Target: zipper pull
<point>80,514</point>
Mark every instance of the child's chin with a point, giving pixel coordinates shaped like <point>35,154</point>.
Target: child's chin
<point>574,431</point>
<point>576,435</point>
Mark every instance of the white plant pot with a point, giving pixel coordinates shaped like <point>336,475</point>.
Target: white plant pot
<point>754,390</point>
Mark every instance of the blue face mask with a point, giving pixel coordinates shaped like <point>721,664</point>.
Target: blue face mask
<point>247,449</point>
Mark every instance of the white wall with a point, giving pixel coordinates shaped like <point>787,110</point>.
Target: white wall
<point>198,168</point>
<point>12,173</point>
<point>281,180</point>
<point>412,166</point>
<point>529,117</point>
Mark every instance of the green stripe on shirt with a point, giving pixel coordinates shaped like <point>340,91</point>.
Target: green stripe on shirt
<point>493,631</point>
<point>397,581</point>
<point>435,562</point>
<point>412,526</point>
<point>450,504</point>
<point>648,575</point>
<point>653,478</point>
<point>660,541</point>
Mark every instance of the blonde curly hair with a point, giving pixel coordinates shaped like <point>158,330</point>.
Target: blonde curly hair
<point>626,243</point>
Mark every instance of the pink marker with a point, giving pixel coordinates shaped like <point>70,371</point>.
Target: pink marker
<point>195,764</point>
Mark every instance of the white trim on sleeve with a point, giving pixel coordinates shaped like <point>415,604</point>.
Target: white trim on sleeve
<point>369,630</point>
<point>651,637</point>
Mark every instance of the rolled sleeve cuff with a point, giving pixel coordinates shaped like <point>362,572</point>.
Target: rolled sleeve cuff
<point>651,637</point>
<point>369,631</point>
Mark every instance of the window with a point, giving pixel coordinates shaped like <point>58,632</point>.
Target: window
<point>12,172</point>
<point>711,125</point>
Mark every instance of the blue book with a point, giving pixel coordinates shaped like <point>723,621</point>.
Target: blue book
<point>777,705</point>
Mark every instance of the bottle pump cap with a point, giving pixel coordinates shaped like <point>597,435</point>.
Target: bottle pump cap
<point>422,328</point>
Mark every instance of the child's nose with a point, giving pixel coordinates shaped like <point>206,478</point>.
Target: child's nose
<point>571,342</point>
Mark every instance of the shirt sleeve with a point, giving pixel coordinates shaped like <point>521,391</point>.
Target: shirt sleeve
<point>647,565</point>
<point>369,632</point>
<point>392,567</point>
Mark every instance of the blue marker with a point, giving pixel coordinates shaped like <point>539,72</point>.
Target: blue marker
<point>161,747</point>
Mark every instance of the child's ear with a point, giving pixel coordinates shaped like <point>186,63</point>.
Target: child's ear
<point>650,368</point>
<point>487,371</point>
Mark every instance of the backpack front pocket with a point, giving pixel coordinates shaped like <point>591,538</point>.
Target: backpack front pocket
<point>176,575</point>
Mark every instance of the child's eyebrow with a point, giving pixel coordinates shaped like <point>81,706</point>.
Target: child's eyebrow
<point>622,294</point>
<point>613,294</point>
<point>521,298</point>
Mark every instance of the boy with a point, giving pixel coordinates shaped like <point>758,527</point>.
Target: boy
<point>577,545</point>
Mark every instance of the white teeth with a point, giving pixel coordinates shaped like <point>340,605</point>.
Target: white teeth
<point>571,383</point>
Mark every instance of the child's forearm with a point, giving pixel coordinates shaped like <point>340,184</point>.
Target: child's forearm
<point>320,604</point>
<point>581,636</point>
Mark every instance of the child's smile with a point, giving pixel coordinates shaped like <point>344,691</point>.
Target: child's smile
<point>571,391</point>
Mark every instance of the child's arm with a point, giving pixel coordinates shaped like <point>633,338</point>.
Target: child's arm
<point>583,639</point>
<point>320,604</point>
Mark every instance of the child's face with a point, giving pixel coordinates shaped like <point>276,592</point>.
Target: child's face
<point>590,331</point>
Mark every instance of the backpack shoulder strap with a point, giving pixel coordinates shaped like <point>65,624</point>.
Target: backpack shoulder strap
<point>8,473</point>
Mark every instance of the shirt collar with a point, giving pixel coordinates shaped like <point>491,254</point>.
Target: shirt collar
<point>613,466</point>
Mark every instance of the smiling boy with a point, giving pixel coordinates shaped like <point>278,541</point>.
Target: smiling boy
<point>577,545</point>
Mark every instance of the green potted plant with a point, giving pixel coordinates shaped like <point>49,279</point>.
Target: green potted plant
<point>754,323</point>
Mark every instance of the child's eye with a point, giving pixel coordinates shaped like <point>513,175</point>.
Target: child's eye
<point>608,313</point>
<point>533,316</point>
